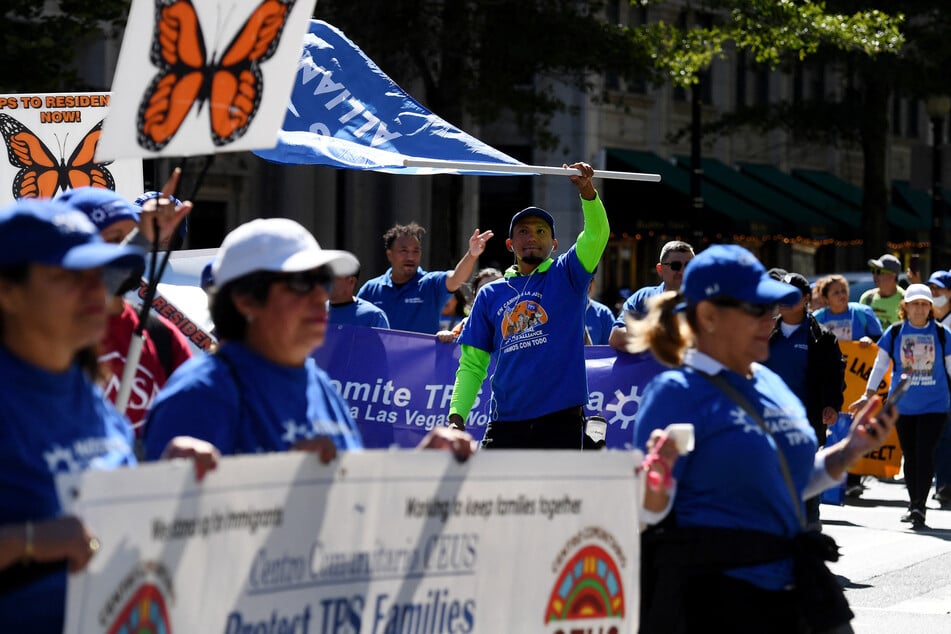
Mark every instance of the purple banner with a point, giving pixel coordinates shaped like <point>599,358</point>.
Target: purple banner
<point>399,384</point>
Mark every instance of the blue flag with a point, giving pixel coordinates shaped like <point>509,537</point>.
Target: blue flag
<point>345,112</point>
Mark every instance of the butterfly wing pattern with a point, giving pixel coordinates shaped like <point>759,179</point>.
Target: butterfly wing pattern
<point>187,77</point>
<point>40,173</point>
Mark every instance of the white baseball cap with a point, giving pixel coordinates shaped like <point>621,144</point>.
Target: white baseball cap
<point>278,245</point>
<point>918,291</point>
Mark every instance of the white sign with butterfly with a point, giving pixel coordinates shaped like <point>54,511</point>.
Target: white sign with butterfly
<point>50,142</point>
<point>203,77</point>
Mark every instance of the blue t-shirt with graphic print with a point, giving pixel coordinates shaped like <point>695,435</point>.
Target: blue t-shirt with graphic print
<point>855,322</point>
<point>732,477</point>
<point>252,406</point>
<point>53,423</point>
<point>919,352</point>
<point>535,324</point>
<point>414,306</point>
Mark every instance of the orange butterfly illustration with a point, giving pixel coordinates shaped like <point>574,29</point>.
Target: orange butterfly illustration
<point>232,84</point>
<point>41,173</point>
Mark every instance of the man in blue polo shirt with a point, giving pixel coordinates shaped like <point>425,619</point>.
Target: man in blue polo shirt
<point>411,297</point>
<point>674,257</point>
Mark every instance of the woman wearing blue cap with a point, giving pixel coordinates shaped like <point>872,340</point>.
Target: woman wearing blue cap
<point>55,420</point>
<point>729,542</point>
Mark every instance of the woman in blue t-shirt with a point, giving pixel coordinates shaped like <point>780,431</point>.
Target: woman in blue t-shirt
<point>920,351</point>
<point>728,519</point>
<point>262,391</point>
<point>54,273</point>
<point>848,321</point>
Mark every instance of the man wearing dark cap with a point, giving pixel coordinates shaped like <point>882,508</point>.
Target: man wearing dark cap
<point>807,357</point>
<point>885,298</point>
<point>533,321</point>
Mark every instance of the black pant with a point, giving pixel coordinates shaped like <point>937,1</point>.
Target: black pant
<point>918,435</point>
<point>559,430</point>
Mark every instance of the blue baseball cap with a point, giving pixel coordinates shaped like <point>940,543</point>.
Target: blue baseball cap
<point>52,232</point>
<point>941,279</point>
<point>729,270</point>
<point>103,206</point>
<point>149,195</point>
<point>532,211</point>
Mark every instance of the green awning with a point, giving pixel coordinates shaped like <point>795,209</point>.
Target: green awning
<point>915,200</point>
<point>799,217</point>
<point>746,217</point>
<point>803,193</point>
<point>851,194</point>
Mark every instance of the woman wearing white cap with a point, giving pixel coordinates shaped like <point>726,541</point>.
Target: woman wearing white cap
<point>730,539</point>
<point>920,348</point>
<point>262,391</point>
<point>53,296</point>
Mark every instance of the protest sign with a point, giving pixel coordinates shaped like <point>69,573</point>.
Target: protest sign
<point>50,141</point>
<point>377,541</point>
<point>203,77</point>
<point>399,384</point>
<point>886,461</point>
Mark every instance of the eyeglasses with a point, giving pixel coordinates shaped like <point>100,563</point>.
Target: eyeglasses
<point>753,310</point>
<point>676,265</point>
<point>304,282</point>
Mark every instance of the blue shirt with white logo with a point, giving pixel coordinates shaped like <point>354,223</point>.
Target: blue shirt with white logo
<point>252,405</point>
<point>52,423</point>
<point>732,477</point>
<point>414,306</point>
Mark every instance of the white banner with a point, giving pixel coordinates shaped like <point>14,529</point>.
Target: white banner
<point>377,541</point>
<point>203,77</point>
<point>50,140</point>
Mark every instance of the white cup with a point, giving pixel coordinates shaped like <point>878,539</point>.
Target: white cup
<point>682,434</point>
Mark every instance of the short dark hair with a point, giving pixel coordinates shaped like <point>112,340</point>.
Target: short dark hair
<point>230,324</point>
<point>398,231</point>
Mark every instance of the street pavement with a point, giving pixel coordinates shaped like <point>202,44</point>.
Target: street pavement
<point>896,579</point>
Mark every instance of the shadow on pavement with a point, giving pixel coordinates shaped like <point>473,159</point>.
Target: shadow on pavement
<point>848,584</point>
<point>870,502</point>
<point>826,522</point>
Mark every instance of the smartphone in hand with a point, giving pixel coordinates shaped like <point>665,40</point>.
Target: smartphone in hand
<point>904,382</point>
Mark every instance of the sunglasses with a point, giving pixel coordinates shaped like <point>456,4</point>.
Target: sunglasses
<point>304,282</point>
<point>676,265</point>
<point>753,310</point>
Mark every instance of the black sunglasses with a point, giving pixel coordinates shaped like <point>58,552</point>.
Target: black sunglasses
<point>753,310</point>
<point>676,265</point>
<point>304,282</point>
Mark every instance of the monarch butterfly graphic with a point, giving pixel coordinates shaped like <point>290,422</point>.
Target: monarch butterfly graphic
<point>232,83</point>
<point>41,173</point>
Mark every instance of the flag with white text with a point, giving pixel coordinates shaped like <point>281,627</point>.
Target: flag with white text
<point>345,112</point>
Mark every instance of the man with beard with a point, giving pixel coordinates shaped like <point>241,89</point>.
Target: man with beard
<point>533,321</point>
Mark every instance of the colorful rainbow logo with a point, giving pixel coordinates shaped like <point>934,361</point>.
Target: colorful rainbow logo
<point>589,587</point>
<point>145,613</point>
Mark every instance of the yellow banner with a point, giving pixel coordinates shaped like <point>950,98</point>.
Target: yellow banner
<point>886,462</point>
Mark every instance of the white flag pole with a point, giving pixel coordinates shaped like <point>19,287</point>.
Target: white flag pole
<point>128,372</point>
<point>506,168</point>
